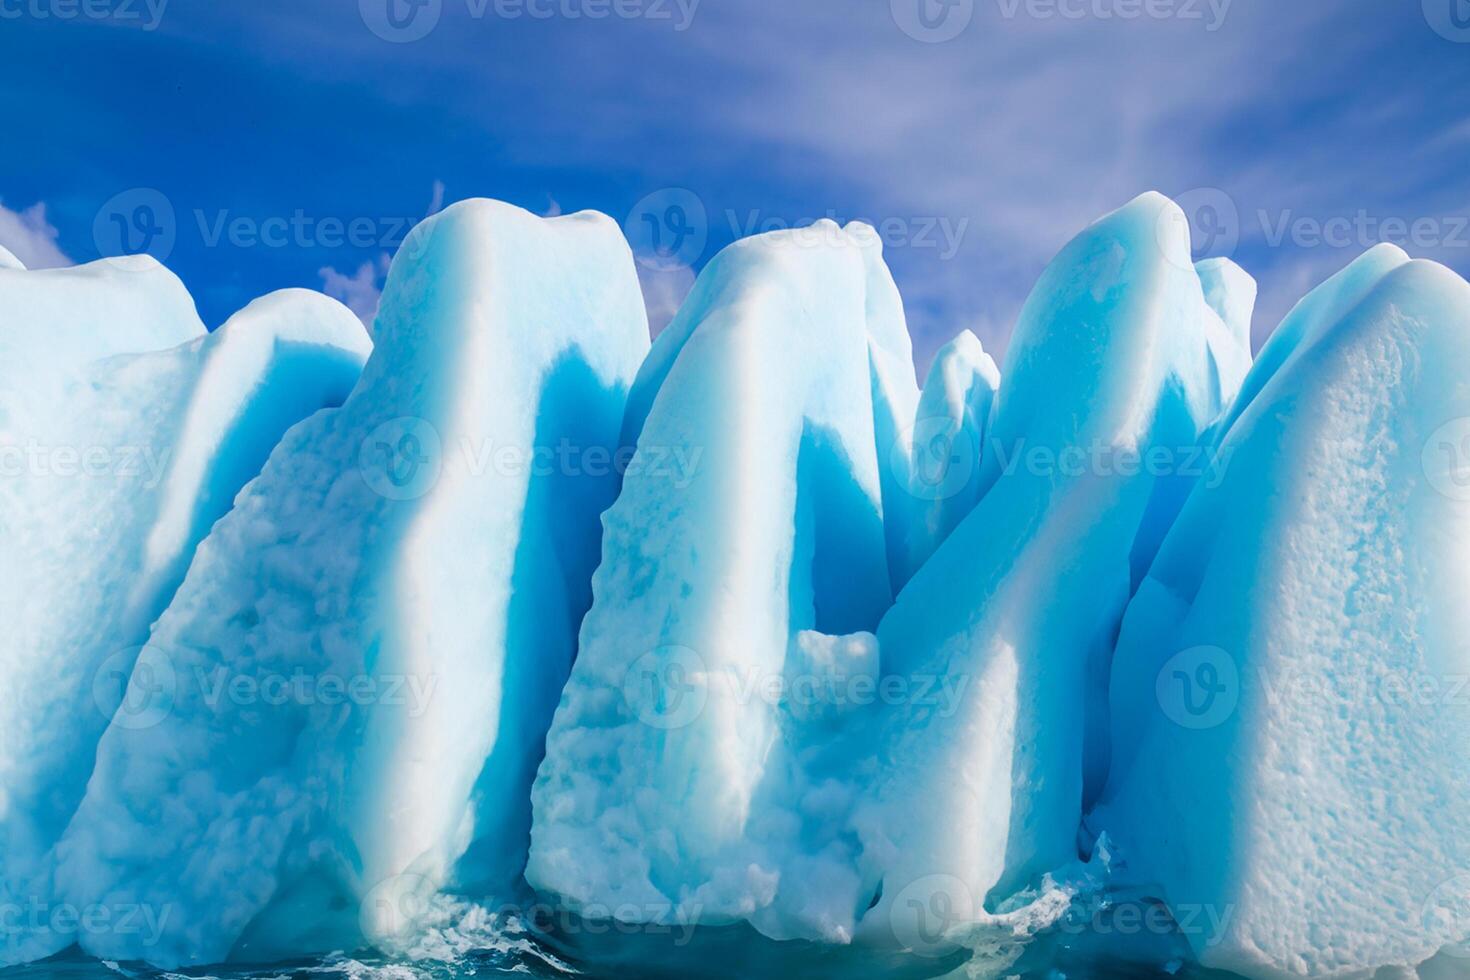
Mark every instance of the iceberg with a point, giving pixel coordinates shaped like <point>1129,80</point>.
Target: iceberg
<point>1313,317</point>
<point>895,398</point>
<point>56,320</point>
<point>1117,369</point>
<point>116,464</point>
<point>1289,721</point>
<point>366,651</point>
<point>686,776</point>
<point>740,651</point>
<point>747,553</point>
<point>1231,293</point>
<point>944,450</point>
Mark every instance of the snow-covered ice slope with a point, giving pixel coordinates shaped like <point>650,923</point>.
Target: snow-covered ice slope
<point>1112,378</point>
<point>115,466</point>
<point>1290,724</point>
<point>1313,317</point>
<point>57,320</point>
<point>366,651</point>
<point>679,781</point>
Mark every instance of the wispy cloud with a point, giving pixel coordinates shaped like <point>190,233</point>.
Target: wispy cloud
<point>361,291</point>
<point>665,287</point>
<point>1025,127</point>
<point>1022,129</point>
<point>30,237</point>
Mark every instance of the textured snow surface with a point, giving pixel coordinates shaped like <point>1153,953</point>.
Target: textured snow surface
<point>675,782</point>
<point>417,589</point>
<point>116,466</point>
<point>1111,381</point>
<point>742,652</point>
<point>1291,722</point>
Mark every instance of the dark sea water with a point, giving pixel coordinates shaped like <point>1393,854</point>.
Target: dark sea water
<point>1083,929</point>
<point>736,954</point>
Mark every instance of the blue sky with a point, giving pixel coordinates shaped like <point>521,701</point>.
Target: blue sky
<point>295,140</point>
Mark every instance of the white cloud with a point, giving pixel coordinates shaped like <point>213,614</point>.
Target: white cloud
<point>1029,128</point>
<point>664,291</point>
<point>31,238</point>
<point>361,291</point>
<point>1030,124</point>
